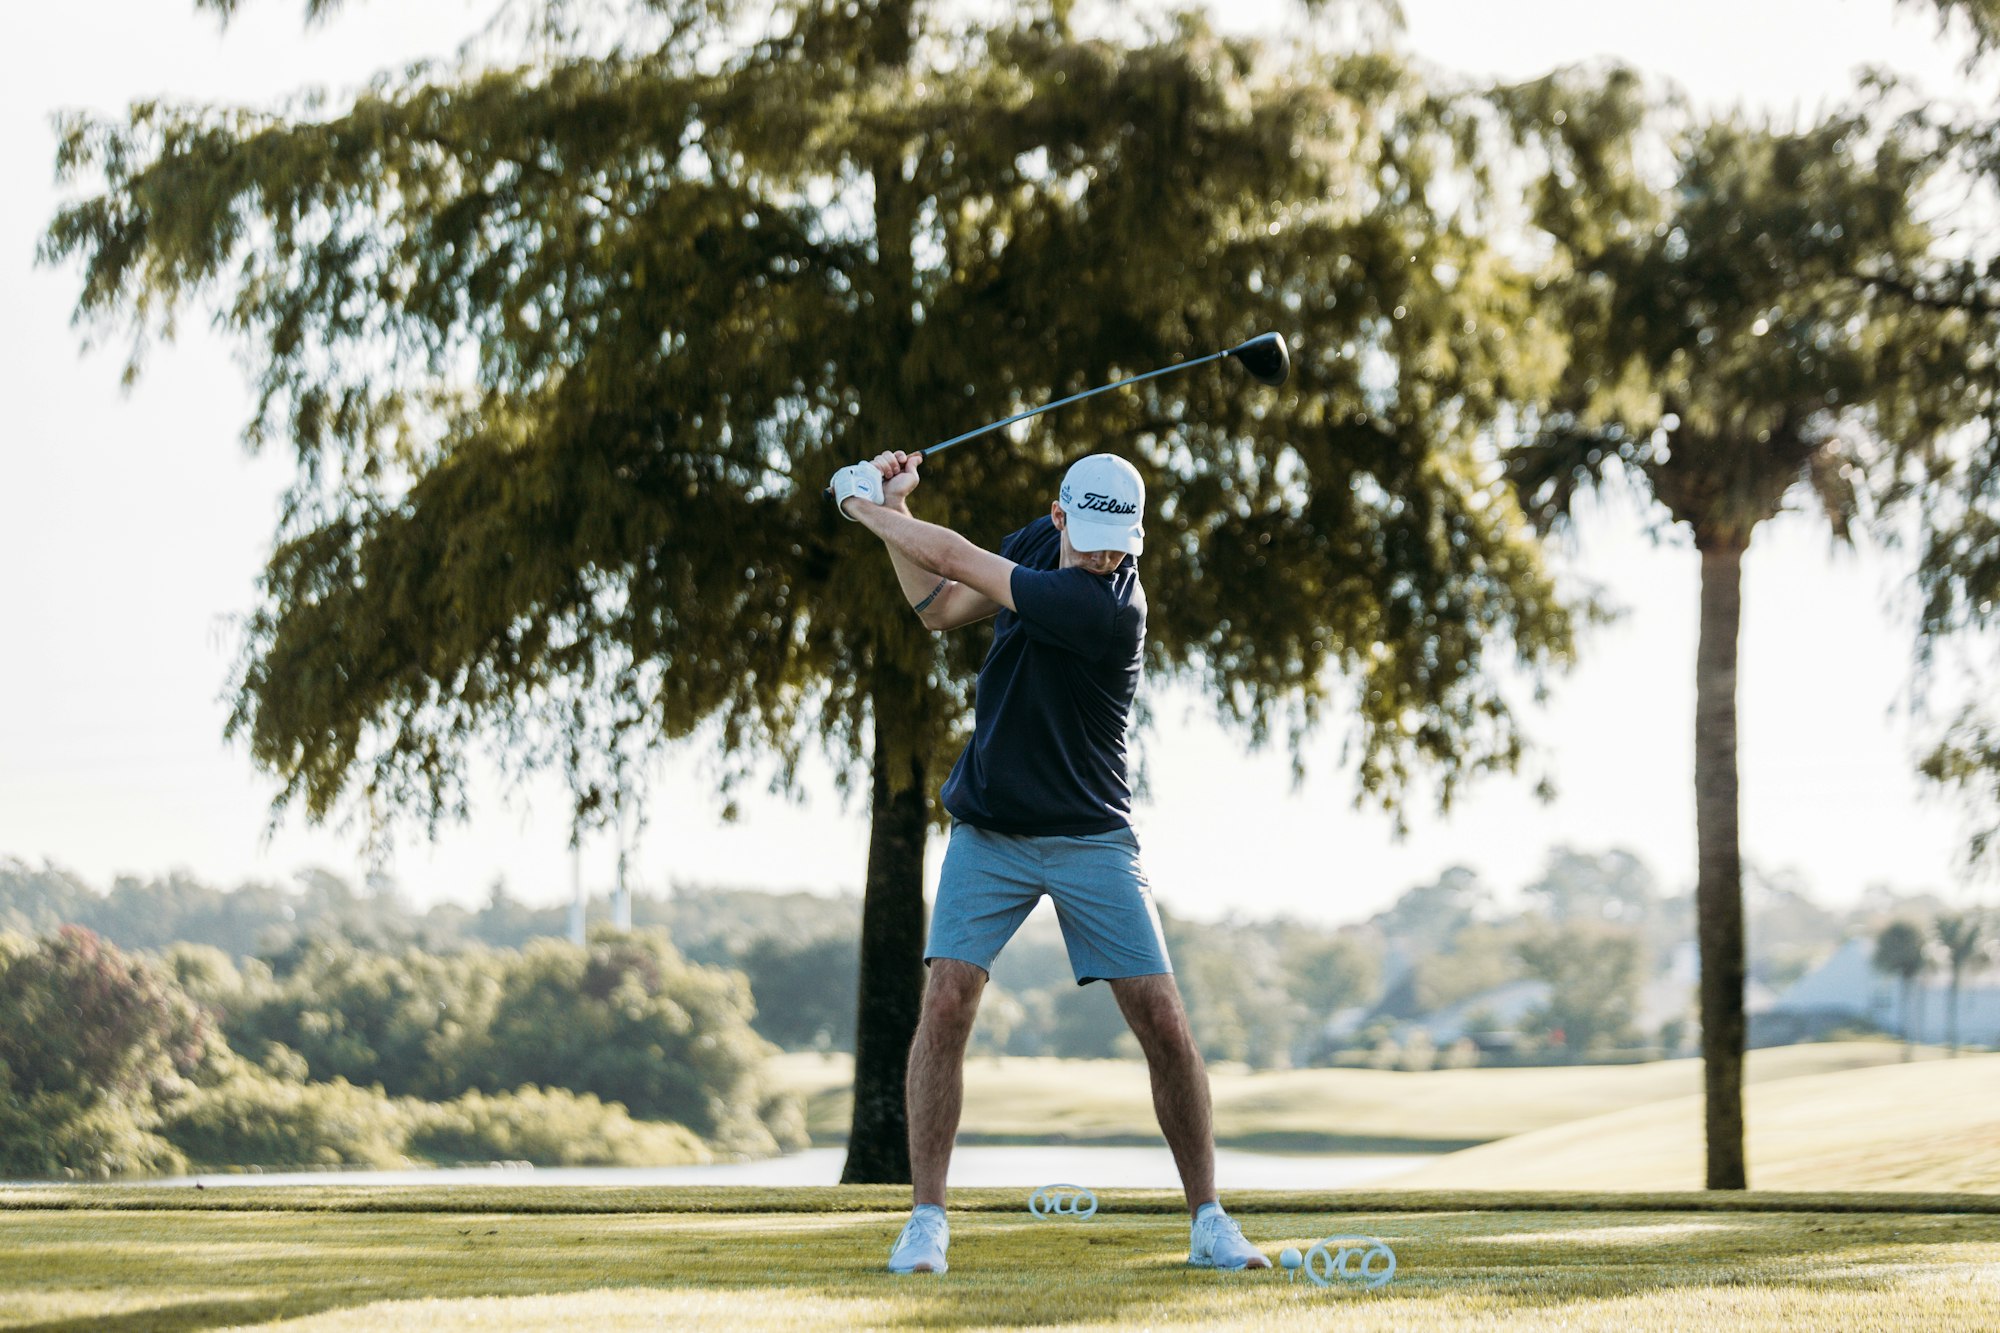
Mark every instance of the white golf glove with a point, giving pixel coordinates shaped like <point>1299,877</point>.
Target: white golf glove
<point>862,479</point>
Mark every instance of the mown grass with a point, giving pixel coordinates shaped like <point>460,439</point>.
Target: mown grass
<point>1929,1126</point>
<point>112,1259</point>
<point>1020,1099</point>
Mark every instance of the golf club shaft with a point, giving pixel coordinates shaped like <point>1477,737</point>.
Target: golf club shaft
<point>1045,407</point>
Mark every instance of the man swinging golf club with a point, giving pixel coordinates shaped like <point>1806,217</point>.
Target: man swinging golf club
<point>1042,805</point>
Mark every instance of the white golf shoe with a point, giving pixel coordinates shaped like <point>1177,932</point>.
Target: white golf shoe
<point>921,1247</point>
<point>1215,1241</point>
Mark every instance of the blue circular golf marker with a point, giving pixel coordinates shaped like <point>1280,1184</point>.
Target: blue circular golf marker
<point>1072,1201</point>
<point>1360,1261</point>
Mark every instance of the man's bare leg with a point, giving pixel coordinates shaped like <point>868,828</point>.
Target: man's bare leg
<point>935,1088</point>
<point>1152,1008</point>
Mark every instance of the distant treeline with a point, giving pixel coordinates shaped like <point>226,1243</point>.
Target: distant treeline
<point>1254,988</point>
<point>618,1052</point>
<point>1594,926</point>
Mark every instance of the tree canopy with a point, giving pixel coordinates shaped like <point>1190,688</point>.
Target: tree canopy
<point>566,351</point>
<point>1951,485</point>
<point>567,348</point>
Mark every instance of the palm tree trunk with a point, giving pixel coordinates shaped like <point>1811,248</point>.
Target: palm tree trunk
<point>892,975</point>
<point>1719,883</point>
<point>1909,1033</point>
<point>1951,1013</point>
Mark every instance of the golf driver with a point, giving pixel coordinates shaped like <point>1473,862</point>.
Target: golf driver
<point>1265,357</point>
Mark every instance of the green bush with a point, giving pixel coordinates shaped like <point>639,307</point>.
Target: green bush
<point>254,1119</point>
<point>630,1020</point>
<point>79,1017</point>
<point>93,1045</point>
<point>109,1067</point>
<point>627,1020</point>
<point>549,1127</point>
<point>63,1135</point>
<point>401,1020</point>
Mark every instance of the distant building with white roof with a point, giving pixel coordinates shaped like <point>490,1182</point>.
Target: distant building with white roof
<point>1846,988</point>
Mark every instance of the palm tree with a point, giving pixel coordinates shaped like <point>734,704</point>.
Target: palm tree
<point>1962,937</point>
<point>1901,952</point>
<point>1729,356</point>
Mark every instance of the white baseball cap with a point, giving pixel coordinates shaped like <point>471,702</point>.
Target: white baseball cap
<point>1104,505</point>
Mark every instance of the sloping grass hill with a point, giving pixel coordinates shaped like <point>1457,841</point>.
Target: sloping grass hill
<point>1919,1127</point>
<point>1031,1100</point>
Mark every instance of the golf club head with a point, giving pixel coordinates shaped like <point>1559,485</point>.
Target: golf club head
<point>1266,357</point>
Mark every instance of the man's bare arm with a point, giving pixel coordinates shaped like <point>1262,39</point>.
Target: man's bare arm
<point>940,601</point>
<point>957,605</point>
<point>944,554</point>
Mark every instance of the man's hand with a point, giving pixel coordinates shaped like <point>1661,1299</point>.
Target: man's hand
<point>886,479</point>
<point>861,480</point>
<point>899,476</point>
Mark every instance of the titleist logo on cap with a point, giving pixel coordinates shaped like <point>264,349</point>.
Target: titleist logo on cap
<point>1106,504</point>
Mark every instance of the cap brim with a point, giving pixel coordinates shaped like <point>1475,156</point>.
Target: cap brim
<point>1087,537</point>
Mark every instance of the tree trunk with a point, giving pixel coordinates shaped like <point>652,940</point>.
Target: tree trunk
<point>892,976</point>
<point>1951,1015</point>
<point>1909,1037</point>
<point>1719,886</point>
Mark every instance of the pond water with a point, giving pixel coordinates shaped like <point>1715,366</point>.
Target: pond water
<point>1099,1168</point>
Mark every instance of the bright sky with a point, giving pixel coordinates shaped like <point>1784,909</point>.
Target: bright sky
<point>132,527</point>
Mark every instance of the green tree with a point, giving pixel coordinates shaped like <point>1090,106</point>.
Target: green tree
<point>1730,355</point>
<point>205,975</point>
<point>1478,958</point>
<point>1902,952</point>
<point>1788,933</point>
<point>1593,970</point>
<point>1234,979</point>
<point>1954,486</point>
<point>92,1044</point>
<point>1981,19</point>
<point>151,914</point>
<point>1326,971</point>
<point>36,902</point>
<point>1427,917</point>
<point>1084,1024</point>
<point>804,993</point>
<point>1613,886</point>
<point>566,351</point>
<point>722,926</point>
<point>1962,936</point>
<point>409,1021</point>
<point>1967,759</point>
<point>629,1020</point>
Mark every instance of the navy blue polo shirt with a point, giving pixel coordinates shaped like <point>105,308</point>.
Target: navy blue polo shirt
<point>1047,754</point>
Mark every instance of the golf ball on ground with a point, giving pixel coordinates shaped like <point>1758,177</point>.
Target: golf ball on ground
<point>1290,1257</point>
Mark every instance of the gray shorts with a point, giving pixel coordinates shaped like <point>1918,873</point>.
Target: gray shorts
<point>991,881</point>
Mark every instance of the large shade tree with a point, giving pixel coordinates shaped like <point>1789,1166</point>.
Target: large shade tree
<point>1730,360</point>
<point>1953,486</point>
<point>566,349</point>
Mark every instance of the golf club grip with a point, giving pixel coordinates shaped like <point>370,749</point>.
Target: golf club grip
<point>1064,402</point>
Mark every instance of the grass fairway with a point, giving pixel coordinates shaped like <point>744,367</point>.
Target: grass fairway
<point>1021,1100</point>
<point>1932,1126</point>
<point>106,1258</point>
